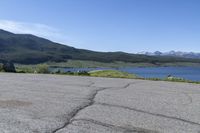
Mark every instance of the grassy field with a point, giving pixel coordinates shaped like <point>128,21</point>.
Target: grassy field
<point>172,79</point>
<point>111,74</point>
<point>42,68</point>
<point>118,64</point>
<point>95,64</point>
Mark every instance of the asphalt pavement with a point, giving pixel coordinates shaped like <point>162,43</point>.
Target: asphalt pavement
<point>39,103</point>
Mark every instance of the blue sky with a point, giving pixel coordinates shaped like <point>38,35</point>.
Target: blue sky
<point>108,25</point>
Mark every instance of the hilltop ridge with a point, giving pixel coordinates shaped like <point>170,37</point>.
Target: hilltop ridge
<point>30,49</point>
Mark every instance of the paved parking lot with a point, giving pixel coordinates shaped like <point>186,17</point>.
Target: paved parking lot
<point>33,103</point>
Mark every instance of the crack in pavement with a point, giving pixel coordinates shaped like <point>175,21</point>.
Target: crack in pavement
<point>90,103</point>
<point>116,88</point>
<point>91,83</point>
<point>173,108</point>
<point>146,112</point>
<point>124,129</point>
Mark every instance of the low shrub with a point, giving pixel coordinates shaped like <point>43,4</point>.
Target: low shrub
<point>25,69</point>
<point>42,68</point>
<point>83,73</point>
<point>1,68</point>
<point>171,78</point>
<point>69,72</point>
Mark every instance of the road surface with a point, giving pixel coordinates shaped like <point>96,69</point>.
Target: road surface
<point>33,103</point>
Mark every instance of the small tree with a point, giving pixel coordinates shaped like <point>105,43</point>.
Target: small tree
<point>9,67</point>
<point>1,68</point>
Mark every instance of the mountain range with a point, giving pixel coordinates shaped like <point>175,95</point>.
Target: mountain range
<point>173,54</point>
<point>30,49</point>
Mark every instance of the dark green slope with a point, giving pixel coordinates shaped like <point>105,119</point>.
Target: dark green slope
<point>30,49</point>
<point>23,48</point>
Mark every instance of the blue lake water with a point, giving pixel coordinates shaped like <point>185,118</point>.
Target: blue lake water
<point>189,73</point>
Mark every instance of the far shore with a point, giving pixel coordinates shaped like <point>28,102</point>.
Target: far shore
<point>118,64</point>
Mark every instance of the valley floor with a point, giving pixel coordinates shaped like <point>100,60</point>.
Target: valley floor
<point>95,64</point>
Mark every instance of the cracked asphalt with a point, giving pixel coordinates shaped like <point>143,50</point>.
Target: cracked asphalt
<point>34,103</point>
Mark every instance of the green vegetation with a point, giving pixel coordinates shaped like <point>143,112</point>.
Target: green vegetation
<point>81,73</point>
<point>42,68</point>
<point>25,69</point>
<point>179,64</point>
<point>178,79</point>
<point>30,49</point>
<point>7,67</point>
<point>111,74</point>
<point>95,64</point>
<point>115,64</point>
<point>1,67</point>
<point>172,79</point>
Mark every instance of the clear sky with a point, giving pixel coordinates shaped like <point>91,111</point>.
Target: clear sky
<point>108,25</point>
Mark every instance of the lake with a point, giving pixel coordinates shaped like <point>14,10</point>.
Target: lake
<point>189,73</point>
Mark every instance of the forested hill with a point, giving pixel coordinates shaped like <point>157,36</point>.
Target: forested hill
<point>30,49</point>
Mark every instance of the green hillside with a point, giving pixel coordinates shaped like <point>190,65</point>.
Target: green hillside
<point>30,49</point>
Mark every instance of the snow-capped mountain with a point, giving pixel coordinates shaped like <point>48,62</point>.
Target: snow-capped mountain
<point>172,53</point>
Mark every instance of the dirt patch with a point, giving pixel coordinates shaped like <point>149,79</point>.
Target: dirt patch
<point>13,103</point>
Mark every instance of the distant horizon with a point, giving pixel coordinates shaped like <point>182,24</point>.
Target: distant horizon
<point>138,52</point>
<point>108,25</point>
